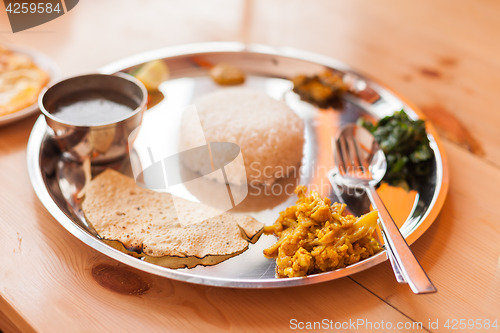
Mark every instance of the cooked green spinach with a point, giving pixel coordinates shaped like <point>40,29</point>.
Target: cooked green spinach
<point>406,147</point>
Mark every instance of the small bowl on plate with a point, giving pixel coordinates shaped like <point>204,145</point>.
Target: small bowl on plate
<point>93,116</point>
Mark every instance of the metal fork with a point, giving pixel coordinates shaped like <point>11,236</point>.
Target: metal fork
<point>361,163</point>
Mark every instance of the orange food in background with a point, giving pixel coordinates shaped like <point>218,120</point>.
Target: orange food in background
<point>21,81</point>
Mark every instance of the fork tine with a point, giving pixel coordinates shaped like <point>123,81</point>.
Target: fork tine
<point>357,169</point>
<point>354,151</point>
<point>339,158</point>
<point>346,155</point>
<point>368,156</point>
<point>364,164</point>
<point>371,152</point>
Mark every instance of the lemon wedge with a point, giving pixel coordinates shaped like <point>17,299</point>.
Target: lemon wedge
<point>152,74</point>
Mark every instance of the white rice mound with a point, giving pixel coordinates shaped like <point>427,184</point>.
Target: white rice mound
<point>269,134</point>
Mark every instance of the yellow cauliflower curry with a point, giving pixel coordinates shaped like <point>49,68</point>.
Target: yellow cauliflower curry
<point>317,236</point>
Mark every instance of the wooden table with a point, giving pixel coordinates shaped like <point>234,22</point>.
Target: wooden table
<point>443,56</point>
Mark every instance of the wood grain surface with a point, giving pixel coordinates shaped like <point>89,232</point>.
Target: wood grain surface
<point>442,56</point>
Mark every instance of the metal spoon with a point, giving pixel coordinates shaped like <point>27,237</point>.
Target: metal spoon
<point>356,203</point>
<point>361,163</point>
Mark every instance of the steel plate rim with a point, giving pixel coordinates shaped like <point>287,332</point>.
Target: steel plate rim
<point>39,130</point>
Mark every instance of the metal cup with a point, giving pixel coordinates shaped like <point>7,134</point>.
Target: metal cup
<point>101,143</point>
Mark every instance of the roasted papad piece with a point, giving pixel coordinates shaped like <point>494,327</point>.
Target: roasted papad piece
<point>163,229</point>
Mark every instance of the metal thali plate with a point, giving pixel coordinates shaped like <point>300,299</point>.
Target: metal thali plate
<point>57,181</point>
